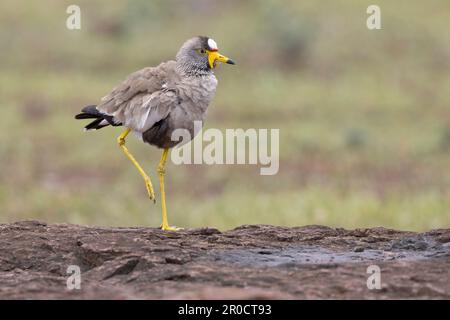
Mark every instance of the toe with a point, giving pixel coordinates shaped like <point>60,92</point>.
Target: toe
<point>171,228</point>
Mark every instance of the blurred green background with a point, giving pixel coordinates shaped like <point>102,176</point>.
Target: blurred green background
<point>364,116</point>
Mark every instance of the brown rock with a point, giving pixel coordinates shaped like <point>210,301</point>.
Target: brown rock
<point>249,262</point>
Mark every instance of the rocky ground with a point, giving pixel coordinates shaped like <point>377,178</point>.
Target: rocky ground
<point>249,262</point>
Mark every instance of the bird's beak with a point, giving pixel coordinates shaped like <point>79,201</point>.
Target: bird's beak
<point>214,56</point>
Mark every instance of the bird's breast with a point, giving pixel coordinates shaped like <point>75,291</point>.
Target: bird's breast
<point>198,92</point>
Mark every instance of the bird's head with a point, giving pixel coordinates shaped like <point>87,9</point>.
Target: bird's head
<point>200,54</point>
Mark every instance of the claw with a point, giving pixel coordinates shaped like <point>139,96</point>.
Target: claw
<point>170,228</point>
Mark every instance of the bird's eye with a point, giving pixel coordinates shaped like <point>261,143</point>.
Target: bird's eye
<point>202,51</point>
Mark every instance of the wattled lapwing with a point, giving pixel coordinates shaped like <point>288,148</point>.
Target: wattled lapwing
<point>153,102</point>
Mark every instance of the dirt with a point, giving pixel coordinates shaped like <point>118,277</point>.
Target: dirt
<point>249,262</point>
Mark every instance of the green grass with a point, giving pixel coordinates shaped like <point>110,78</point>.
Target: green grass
<point>363,115</point>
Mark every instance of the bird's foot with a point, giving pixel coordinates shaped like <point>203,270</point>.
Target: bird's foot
<point>170,228</point>
<point>151,192</point>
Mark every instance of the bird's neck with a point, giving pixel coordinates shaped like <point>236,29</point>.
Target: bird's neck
<point>190,70</point>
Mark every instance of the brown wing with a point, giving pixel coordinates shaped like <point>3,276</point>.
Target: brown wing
<point>142,98</point>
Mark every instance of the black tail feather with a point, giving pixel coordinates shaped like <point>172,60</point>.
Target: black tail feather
<point>95,125</point>
<point>89,112</point>
<point>101,119</point>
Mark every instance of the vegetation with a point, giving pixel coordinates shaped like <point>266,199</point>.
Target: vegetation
<point>364,115</point>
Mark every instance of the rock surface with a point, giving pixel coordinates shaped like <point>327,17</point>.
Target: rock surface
<point>249,262</point>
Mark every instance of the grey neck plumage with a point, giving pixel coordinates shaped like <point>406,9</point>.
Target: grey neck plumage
<point>193,70</point>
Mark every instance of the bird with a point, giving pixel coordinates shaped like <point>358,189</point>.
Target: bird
<point>155,101</point>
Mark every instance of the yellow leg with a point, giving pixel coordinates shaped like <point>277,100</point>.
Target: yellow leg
<point>161,171</point>
<point>148,182</point>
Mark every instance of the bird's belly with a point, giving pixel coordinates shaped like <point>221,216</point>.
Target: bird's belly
<point>187,117</point>
<point>178,127</point>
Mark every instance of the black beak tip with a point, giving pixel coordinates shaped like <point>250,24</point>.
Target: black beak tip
<point>230,61</point>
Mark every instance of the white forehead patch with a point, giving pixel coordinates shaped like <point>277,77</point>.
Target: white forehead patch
<point>212,44</point>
